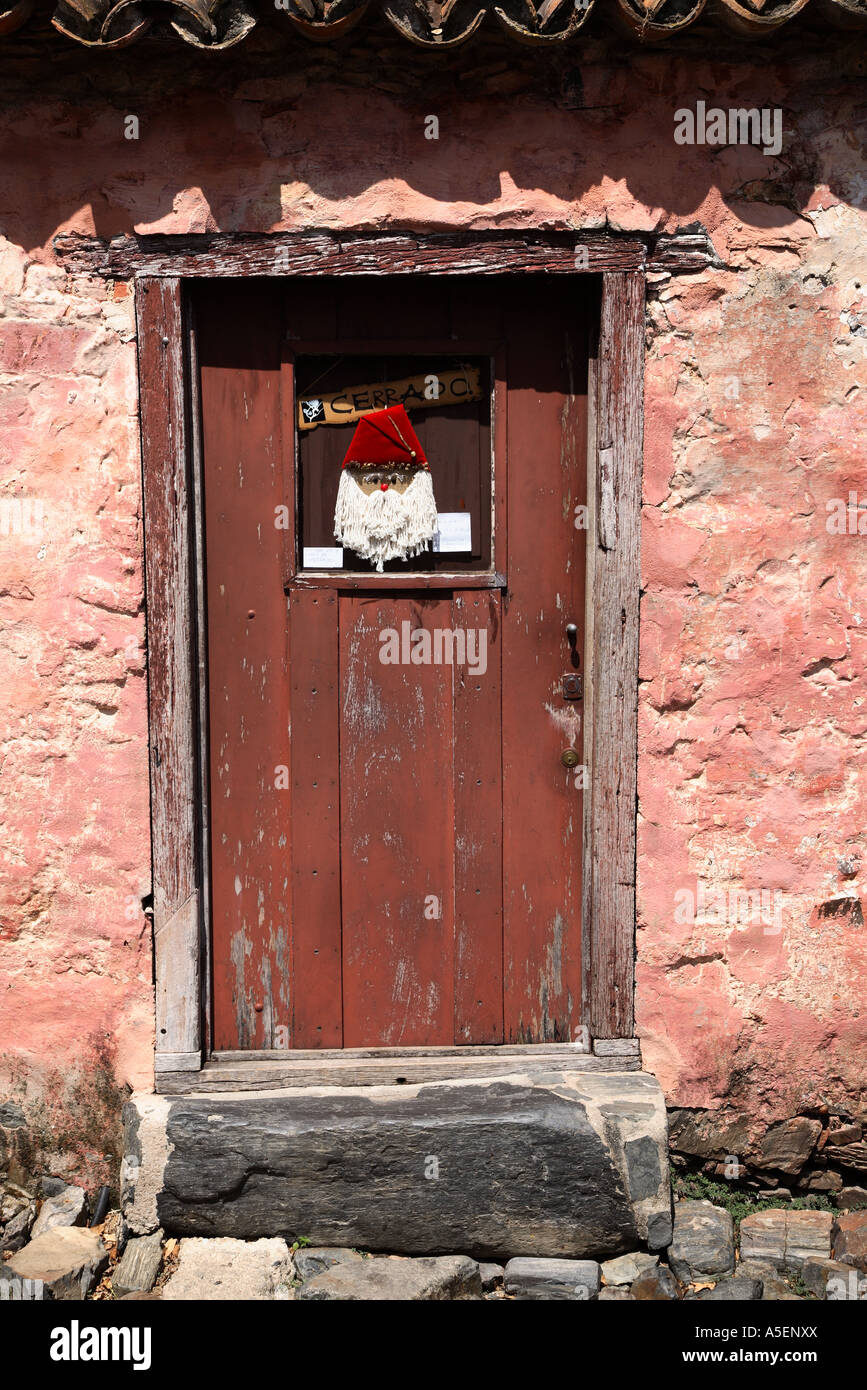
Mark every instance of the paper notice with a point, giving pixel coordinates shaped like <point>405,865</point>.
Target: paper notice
<point>323,557</point>
<point>454,532</point>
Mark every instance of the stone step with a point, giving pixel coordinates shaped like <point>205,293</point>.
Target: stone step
<point>564,1164</point>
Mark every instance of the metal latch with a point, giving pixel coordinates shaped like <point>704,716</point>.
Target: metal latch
<point>572,686</point>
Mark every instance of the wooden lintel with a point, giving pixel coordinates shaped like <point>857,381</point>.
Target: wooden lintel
<point>315,254</point>
<point>326,254</point>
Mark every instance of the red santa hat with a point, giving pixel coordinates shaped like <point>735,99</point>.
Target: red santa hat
<point>385,439</point>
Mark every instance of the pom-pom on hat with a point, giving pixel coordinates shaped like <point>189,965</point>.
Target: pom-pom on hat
<point>385,439</point>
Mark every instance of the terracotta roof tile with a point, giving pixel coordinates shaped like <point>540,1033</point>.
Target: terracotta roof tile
<point>217,24</point>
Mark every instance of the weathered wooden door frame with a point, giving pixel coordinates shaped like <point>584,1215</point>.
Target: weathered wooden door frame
<point>160,266</point>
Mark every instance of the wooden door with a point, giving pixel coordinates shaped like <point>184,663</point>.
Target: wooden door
<point>395,846</point>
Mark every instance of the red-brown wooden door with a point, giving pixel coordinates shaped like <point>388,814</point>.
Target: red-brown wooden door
<point>395,848</point>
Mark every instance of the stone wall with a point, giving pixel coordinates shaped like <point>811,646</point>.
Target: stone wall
<point>812,1155</point>
<point>752,714</point>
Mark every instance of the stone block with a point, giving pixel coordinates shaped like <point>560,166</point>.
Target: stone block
<point>735,1290</point>
<point>846,1134</point>
<point>848,1156</point>
<point>821,1180</point>
<point>708,1134</point>
<point>830,1278</point>
<point>12,1202</point>
<point>16,1232</point>
<point>787,1146</point>
<point>552,1279</point>
<point>139,1265</point>
<point>849,1239</point>
<point>656,1286</point>
<point>570,1164</point>
<point>786,1238</point>
<point>491,1276</point>
<point>315,1259</point>
<point>52,1186</point>
<point>225,1269</point>
<point>442,1279</point>
<point>63,1263</point>
<point>625,1269</point>
<point>854,1198</point>
<point>67,1208</point>
<point>775,1288</point>
<point>703,1245</point>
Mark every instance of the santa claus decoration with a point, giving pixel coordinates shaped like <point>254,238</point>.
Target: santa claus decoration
<point>385,502</point>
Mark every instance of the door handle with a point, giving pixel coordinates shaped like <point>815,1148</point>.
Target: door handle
<point>572,638</point>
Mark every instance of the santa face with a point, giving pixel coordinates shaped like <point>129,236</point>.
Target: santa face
<point>373,479</point>
<point>385,514</point>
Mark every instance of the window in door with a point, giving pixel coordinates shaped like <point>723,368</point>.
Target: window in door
<point>447,399</point>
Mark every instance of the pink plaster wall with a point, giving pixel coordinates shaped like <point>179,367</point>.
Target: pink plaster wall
<point>752,713</point>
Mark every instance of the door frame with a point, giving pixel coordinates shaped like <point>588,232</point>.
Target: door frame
<point>167,374</point>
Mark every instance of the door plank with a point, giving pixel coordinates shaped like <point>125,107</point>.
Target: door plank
<point>317,1005</point>
<point>397,818</point>
<point>542,805</point>
<point>248,705</point>
<point>478,838</point>
<point>171,670</point>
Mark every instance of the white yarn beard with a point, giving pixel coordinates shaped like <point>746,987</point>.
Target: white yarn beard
<point>389,525</point>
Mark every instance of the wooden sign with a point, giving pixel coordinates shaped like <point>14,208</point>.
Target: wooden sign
<point>449,386</point>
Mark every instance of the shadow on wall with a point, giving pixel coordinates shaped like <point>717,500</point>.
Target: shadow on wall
<point>283,133</point>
